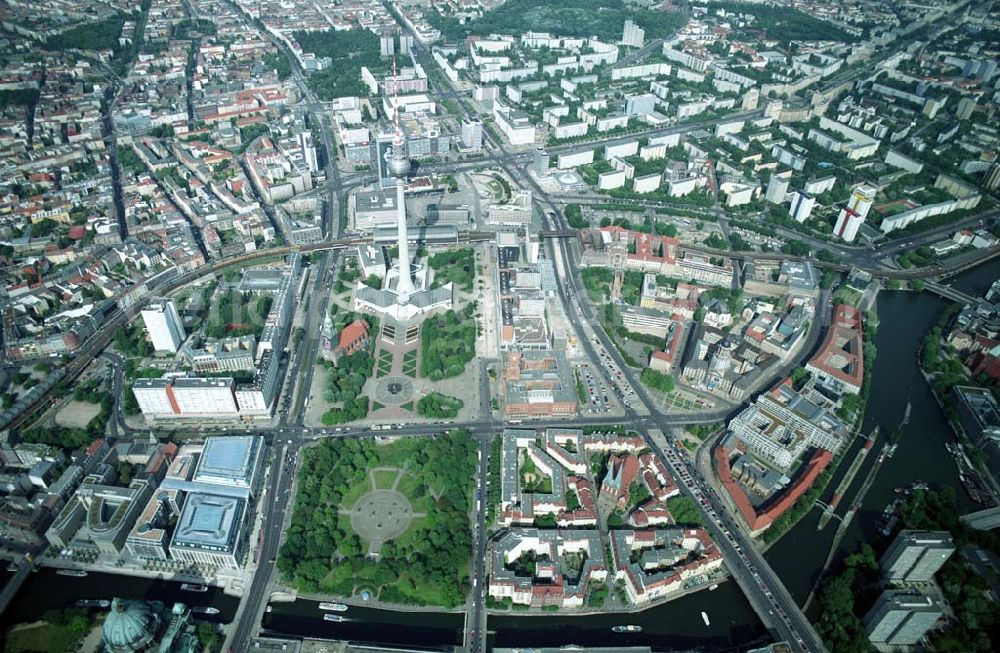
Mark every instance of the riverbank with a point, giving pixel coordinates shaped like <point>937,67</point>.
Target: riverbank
<point>904,320</point>
<point>942,368</point>
<point>625,610</point>
<point>232,585</point>
<point>798,511</point>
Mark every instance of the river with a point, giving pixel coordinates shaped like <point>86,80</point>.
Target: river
<point>47,590</point>
<point>904,319</point>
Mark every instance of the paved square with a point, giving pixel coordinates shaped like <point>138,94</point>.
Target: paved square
<point>379,516</point>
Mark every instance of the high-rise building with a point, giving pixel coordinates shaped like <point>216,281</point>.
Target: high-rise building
<point>802,206</point>
<point>853,215</point>
<point>405,44</point>
<point>861,200</point>
<point>965,108</point>
<point>777,189</point>
<point>308,150</point>
<point>991,181</point>
<point>901,618</point>
<point>387,45</point>
<point>848,224</point>
<point>166,331</point>
<point>750,99</point>
<point>472,134</point>
<point>541,162</point>
<point>915,556</point>
<point>637,105</point>
<point>633,35</point>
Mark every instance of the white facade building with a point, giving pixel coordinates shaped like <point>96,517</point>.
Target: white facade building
<point>166,331</point>
<point>633,35</point>
<point>802,206</point>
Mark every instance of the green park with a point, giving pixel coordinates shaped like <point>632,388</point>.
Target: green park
<point>389,519</point>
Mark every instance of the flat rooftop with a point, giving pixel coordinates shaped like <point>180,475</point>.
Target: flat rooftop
<point>229,460</point>
<point>209,522</point>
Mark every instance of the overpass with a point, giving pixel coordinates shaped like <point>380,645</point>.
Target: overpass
<point>947,292</point>
<point>982,520</point>
<point>14,584</point>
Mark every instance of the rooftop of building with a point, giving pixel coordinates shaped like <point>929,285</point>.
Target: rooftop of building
<point>841,355</point>
<point>209,522</point>
<point>230,460</point>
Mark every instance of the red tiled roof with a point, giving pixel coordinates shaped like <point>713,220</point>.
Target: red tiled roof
<point>759,521</point>
<point>352,333</point>
<point>841,355</point>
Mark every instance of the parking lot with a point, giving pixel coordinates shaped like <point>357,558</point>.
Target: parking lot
<point>598,398</point>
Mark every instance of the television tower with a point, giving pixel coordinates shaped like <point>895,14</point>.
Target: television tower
<point>398,167</point>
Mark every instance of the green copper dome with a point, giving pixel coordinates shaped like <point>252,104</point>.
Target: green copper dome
<point>129,627</point>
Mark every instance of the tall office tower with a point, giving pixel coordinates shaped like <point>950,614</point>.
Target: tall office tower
<point>916,555</point>
<point>387,45</point>
<point>405,44</point>
<point>802,206</point>
<point>163,324</point>
<point>901,618</point>
<point>777,188</point>
<point>848,223</point>
<point>472,134</point>
<point>991,180</point>
<point>541,162</point>
<point>633,35</point>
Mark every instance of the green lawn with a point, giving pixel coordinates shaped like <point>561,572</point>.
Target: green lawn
<point>47,638</point>
<point>355,491</point>
<point>384,364</point>
<point>845,295</point>
<point>384,478</point>
<point>410,364</point>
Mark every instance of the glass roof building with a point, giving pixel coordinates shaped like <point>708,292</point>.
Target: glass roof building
<point>211,531</point>
<point>233,461</point>
<point>229,465</point>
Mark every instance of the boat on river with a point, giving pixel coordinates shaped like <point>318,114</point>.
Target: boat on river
<point>76,573</point>
<point>333,607</point>
<point>334,617</point>
<point>627,629</point>
<point>204,609</point>
<point>194,587</point>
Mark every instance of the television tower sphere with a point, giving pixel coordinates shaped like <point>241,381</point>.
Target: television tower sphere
<point>396,162</point>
